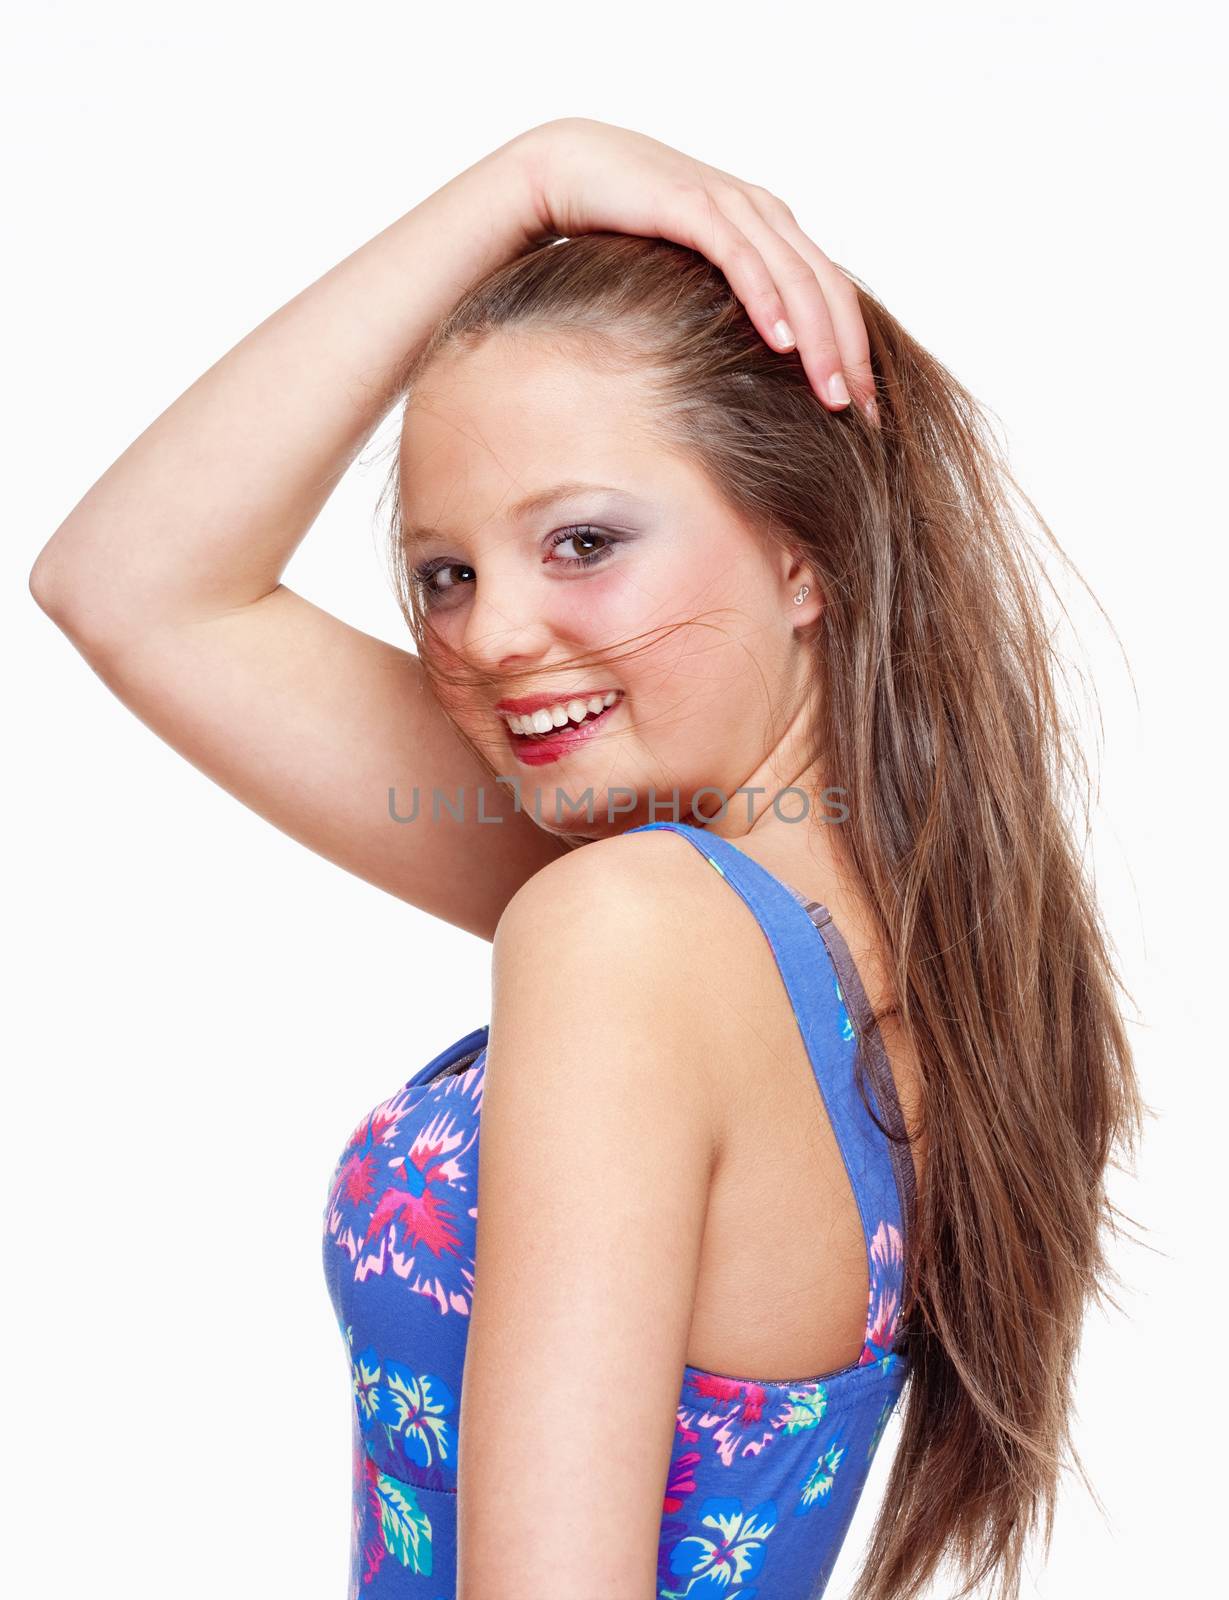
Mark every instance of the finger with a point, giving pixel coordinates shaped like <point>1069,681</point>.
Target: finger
<point>846,311</point>
<point>819,341</point>
<point>840,295</point>
<point>693,218</point>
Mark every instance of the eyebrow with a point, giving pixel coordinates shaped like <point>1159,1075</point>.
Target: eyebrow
<point>540,500</point>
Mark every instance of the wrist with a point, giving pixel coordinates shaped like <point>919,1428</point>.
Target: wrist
<point>507,188</point>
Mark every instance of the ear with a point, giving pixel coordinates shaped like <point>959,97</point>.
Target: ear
<point>796,575</point>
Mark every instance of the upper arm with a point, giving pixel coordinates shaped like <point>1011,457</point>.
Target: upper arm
<point>596,1158</point>
<point>311,723</point>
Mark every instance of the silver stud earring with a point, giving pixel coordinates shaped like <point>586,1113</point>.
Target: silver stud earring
<point>802,594</point>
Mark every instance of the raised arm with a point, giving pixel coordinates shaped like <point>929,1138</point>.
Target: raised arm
<point>167,575</point>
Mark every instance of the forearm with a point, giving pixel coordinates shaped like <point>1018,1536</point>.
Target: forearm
<point>203,511</point>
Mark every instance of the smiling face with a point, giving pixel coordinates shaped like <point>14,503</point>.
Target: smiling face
<point>672,600</point>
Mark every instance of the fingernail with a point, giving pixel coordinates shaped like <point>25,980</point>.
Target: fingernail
<point>783,334</point>
<point>837,392</point>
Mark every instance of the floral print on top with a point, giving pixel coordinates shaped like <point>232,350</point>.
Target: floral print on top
<point>763,1478</point>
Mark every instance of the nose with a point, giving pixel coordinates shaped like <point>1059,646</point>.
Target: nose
<point>506,628</point>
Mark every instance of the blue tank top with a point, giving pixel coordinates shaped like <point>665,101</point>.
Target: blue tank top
<point>764,1474</point>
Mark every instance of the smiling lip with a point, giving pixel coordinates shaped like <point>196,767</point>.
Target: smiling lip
<point>540,702</point>
<point>540,750</point>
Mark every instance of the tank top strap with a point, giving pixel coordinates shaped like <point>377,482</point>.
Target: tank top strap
<point>850,1065</point>
<point>462,1051</point>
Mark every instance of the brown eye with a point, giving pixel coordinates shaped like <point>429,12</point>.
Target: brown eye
<point>427,579</point>
<point>583,534</point>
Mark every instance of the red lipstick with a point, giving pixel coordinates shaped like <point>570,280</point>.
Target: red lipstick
<point>540,749</point>
<point>538,702</point>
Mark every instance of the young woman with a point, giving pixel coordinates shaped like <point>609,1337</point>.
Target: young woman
<point>707,564</point>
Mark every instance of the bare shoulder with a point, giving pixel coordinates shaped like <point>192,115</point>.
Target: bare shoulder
<point>614,929</point>
<point>649,876</point>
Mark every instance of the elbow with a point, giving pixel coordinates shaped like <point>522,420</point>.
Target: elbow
<point>47,582</point>
<point>64,596</point>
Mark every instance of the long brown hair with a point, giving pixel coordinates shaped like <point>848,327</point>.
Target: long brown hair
<point>939,714</point>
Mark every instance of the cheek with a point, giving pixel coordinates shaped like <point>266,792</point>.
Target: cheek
<point>619,618</point>
<point>601,607</point>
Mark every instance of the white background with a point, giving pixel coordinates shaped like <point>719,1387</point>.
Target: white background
<point>201,1009</point>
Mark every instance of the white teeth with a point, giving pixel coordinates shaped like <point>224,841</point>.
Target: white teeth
<point>556,716</point>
